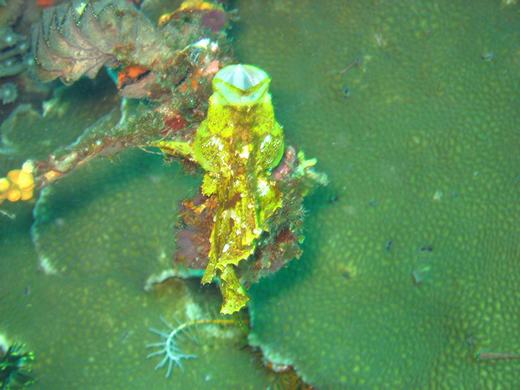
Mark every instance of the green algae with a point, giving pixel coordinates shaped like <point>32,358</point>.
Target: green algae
<point>408,271</point>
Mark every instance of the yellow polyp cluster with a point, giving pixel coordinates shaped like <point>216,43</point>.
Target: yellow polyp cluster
<point>18,185</point>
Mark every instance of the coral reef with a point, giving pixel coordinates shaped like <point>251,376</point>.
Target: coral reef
<point>408,274</point>
<point>423,166</point>
<point>77,39</point>
<point>96,292</point>
<point>11,11</point>
<point>44,133</point>
<point>139,124</point>
<point>171,67</point>
<point>13,50</point>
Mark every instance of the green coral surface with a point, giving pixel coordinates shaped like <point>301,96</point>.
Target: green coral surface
<point>410,267</point>
<point>410,264</point>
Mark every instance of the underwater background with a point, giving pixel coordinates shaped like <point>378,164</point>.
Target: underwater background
<point>409,275</point>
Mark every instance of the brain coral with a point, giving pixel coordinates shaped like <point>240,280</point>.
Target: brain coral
<point>410,268</point>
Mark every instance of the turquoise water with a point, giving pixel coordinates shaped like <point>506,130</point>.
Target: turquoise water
<point>409,273</point>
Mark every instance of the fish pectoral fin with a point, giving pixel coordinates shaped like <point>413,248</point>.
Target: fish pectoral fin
<point>175,148</point>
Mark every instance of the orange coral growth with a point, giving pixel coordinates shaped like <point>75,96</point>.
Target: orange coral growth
<point>199,76</point>
<point>130,74</point>
<point>45,3</point>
